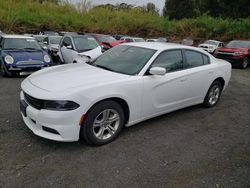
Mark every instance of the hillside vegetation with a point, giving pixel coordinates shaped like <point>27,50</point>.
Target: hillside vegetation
<point>26,16</point>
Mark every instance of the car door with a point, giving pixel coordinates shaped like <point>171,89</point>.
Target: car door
<point>199,74</point>
<point>66,50</point>
<point>165,93</point>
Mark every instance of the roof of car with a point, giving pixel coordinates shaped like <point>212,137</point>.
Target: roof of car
<point>159,45</point>
<point>17,36</point>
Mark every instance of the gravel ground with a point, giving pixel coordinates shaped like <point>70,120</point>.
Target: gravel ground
<point>193,147</point>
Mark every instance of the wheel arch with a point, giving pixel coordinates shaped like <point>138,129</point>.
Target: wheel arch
<point>123,103</point>
<point>221,80</point>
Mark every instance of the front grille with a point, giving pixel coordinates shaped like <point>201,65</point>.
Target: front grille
<point>29,63</point>
<point>204,47</point>
<point>225,55</point>
<point>36,103</point>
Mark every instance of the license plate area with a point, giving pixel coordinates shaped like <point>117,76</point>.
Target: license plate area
<point>23,107</point>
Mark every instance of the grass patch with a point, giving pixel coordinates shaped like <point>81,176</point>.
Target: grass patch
<point>26,16</point>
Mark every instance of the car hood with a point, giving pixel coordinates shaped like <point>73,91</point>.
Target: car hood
<point>93,54</point>
<point>112,44</point>
<point>55,46</point>
<point>71,76</point>
<point>25,55</point>
<point>231,50</point>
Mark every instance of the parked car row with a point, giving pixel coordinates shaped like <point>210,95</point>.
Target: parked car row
<point>72,47</point>
<point>237,52</point>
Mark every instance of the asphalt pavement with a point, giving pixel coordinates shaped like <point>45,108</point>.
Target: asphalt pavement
<point>193,147</point>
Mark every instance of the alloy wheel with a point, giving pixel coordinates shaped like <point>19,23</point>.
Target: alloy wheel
<point>106,124</point>
<point>214,94</point>
<point>244,63</point>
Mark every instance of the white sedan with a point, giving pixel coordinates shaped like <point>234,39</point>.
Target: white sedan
<point>76,48</point>
<point>126,85</point>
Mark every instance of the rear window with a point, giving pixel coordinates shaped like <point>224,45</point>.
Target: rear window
<point>205,59</point>
<point>193,59</point>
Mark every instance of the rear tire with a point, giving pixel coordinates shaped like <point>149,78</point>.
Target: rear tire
<point>213,94</point>
<point>103,123</point>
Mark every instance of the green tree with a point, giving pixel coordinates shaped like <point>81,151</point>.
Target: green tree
<point>152,8</point>
<point>52,1</point>
<point>178,9</point>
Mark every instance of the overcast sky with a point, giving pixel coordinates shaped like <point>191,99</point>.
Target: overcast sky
<point>159,3</point>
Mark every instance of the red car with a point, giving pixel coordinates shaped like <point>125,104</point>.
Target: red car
<point>106,41</point>
<point>237,52</point>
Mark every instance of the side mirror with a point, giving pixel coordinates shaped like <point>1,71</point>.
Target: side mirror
<point>45,42</point>
<point>69,47</point>
<point>157,71</point>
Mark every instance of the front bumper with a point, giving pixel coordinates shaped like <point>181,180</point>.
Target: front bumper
<point>235,61</point>
<point>25,68</point>
<point>54,125</point>
<point>208,49</point>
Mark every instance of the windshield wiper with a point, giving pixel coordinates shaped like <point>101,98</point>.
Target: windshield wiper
<point>103,67</point>
<point>11,49</point>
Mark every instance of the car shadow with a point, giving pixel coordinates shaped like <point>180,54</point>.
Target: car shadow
<point>126,132</point>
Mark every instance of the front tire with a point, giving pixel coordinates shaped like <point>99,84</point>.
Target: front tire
<point>244,63</point>
<point>4,72</point>
<point>213,94</point>
<point>103,123</point>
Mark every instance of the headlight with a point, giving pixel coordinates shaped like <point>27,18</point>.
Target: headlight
<point>8,59</point>
<point>60,105</point>
<point>85,58</point>
<point>239,53</point>
<point>46,58</point>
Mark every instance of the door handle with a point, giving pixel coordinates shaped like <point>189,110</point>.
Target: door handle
<point>211,72</point>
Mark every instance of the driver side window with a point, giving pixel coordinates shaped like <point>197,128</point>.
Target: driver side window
<point>67,42</point>
<point>170,60</point>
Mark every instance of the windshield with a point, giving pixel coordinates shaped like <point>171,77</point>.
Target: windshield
<point>39,38</point>
<point>238,44</point>
<point>107,39</point>
<point>83,44</point>
<point>20,43</point>
<point>125,59</point>
<point>55,40</point>
<point>211,42</point>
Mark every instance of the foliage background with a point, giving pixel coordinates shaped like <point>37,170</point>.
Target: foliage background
<point>29,16</point>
